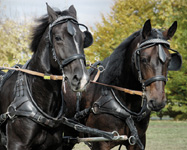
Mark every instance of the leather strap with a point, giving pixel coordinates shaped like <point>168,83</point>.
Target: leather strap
<point>133,92</point>
<point>56,77</point>
<point>47,77</point>
<point>72,58</point>
<point>97,76</point>
<point>153,79</point>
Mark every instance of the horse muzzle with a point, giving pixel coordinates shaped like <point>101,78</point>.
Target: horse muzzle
<point>79,84</point>
<point>153,105</point>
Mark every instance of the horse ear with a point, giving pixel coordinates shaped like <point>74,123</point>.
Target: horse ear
<point>146,29</point>
<point>171,31</point>
<point>52,15</point>
<point>73,11</point>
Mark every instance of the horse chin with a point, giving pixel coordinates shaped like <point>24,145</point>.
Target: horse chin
<point>79,88</point>
<point>155,108</point>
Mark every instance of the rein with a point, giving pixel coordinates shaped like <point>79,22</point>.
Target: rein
<point>132,92</point>
<point>57,77</point>
<point>45,76</point>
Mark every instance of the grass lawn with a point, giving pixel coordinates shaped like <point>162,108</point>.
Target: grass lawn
<point>167,135</point>
<point>161,135</point>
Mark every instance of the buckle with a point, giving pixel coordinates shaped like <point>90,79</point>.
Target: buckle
<point>39,118</point>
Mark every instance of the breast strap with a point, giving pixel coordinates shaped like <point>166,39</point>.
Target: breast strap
<point>24,106</point>
<point>107,104</point>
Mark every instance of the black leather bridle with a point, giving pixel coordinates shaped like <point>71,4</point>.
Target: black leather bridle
<point>61,20</point>
<point>162,56</point>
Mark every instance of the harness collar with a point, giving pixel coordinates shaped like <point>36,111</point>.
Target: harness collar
<point>24,105</point>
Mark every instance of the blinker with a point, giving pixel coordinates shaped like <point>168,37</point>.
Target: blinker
<point>175,62</point>
<point>70,28</point>
<point>161,53</point>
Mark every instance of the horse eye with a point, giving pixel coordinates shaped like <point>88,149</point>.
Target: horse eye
<point>58,38</point>
<point>144,60</point>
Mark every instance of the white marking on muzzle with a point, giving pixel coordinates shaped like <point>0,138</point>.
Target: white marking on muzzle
<point>84,78</point>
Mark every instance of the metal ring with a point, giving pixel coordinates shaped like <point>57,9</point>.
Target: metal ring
<point>102,68</point>
<point>6,64</point>
<point>132,140</point>
<point>116,135</point>
<point>8,113</point>
<point>96,58</point>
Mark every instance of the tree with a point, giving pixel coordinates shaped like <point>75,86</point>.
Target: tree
<point>14,42</point>
<point>128,16</point>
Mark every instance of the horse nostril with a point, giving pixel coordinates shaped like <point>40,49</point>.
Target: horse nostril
<point>152,103</point>
<point>76,79</point>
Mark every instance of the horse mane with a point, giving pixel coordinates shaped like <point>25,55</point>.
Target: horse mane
<point>114,63</point>
<point>43,24</point>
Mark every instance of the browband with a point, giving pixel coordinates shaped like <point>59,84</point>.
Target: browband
<point>155,41</point>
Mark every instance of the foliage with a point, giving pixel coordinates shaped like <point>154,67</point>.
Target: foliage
<point>14,42</point>
<point>128,16</point>
<point>177,85</point>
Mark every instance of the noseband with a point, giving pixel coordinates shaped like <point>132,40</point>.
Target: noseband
<point>61,20</point>
<point>162,57</point>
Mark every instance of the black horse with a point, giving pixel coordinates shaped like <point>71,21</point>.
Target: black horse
<point>139,63</point>
<point>31,107</point>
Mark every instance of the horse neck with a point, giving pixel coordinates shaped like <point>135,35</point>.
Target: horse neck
<point>46,93</point>
<point>129,80</point>
<point>120,72</point>
<point>40,59</point>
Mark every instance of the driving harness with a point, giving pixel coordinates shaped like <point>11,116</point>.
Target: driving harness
<point>108,103</point>
<point>24,105</point>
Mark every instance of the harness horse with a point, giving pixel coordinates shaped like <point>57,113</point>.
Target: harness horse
<point>31,107</point>
<point>141,63</point>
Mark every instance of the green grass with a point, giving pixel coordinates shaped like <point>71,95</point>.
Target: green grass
<point>167,135</point>
<point>161,135</point>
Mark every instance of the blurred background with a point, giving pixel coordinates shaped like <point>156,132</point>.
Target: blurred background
<point>89,12</point>
<point>110,21</point>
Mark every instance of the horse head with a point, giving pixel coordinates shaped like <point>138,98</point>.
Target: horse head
<point>152,60</point>
<point>67,42</point>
